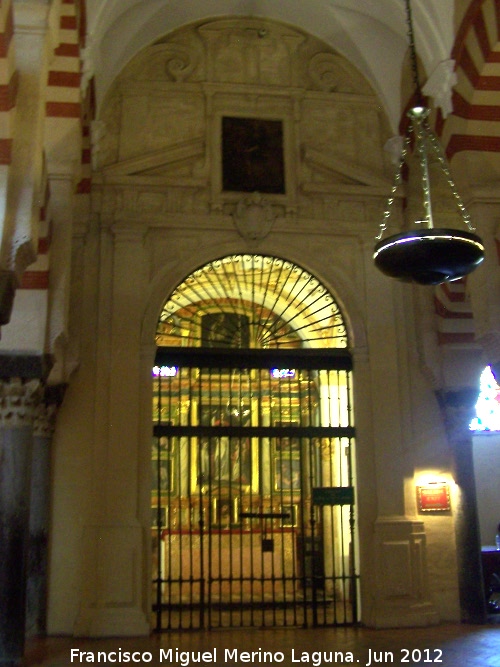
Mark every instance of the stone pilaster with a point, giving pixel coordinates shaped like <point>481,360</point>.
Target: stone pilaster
<point>458,411</point>
<point>113,544</point>
<point>18,401</point>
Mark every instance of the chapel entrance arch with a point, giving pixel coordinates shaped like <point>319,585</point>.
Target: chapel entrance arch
<point>253,476</point>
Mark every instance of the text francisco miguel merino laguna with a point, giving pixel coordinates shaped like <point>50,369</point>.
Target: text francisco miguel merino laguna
<point>174,656</point>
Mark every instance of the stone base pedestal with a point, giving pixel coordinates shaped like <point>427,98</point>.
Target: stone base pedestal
<point>113,601</point>
<point>401,595</point>
<point>112,623</point>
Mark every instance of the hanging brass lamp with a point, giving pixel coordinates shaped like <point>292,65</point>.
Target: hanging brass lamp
<point>427,255</point>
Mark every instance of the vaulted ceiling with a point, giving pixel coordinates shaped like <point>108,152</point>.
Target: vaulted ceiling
<point>370,34</point>
<point>457,43</point>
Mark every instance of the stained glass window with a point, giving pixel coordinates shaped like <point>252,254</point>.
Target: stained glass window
<point>488,404</point>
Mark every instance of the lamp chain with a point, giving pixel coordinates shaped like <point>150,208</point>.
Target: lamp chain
<point>413,54</point>
<point>438,150</point>
<point>396,182</point>
<point>425,137</point>
<point>428,133</point>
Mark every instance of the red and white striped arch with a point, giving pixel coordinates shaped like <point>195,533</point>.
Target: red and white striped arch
<point>8,80</point>
<point>474,125</point>
<point>66,125</point>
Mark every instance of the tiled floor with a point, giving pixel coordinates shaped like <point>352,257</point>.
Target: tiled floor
<point>444,646</point>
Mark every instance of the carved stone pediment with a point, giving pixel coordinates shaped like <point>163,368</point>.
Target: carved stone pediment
<point>328,169</point>
<point>178,160</point>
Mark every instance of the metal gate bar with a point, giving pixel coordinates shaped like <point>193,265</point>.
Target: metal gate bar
<point>240,451</point>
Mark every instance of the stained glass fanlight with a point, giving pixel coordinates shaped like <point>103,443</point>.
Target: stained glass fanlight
<point>251,301</point>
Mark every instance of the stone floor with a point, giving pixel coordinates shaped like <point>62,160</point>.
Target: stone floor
<point>451,645</point>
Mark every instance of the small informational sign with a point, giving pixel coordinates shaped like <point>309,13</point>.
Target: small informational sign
<point>333,495</point>
<point>434,497</point>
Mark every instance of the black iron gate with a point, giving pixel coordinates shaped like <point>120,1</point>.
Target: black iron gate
<point>253,489</point>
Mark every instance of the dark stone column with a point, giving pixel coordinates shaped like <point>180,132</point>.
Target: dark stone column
<point>495,369</point>
<point>458,410</point>
<point>8,283</point>
<point>36,590</point>
<point>18,402</point>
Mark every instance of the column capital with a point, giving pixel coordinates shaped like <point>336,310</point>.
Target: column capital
<point>18,401</point>
<point>44,420</point>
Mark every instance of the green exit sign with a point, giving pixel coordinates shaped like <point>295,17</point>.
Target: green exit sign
<point>333,495</point>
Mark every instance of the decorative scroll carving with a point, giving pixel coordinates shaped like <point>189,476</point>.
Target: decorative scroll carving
<point>324,71</point>
<point>254,217</point>
<point>329,73</point>
<point>18,401</point>
<point>180,62</point>
<point>172,61</point>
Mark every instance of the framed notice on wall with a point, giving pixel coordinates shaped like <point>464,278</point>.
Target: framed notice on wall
<point>434,498</point>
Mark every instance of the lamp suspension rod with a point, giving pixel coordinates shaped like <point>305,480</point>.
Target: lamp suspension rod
<point>419,118</point>
<point>413,54</point>
<point>418,115</point>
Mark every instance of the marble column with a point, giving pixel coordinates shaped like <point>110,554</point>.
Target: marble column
<point>18,401</point>
<point>36,585</point>
<point>458,411</point>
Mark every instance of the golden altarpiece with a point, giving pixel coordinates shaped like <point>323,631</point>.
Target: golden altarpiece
<point>252,455</point>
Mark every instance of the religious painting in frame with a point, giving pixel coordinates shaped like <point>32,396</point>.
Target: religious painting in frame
<point>223,329</point>
<point>252,155</point>
<point>163,445</point>
<point>225,462</point>
<point>225,513</point>
<point>161,514</point>
<point>162,476</point>
<point>286,445</point>
<point>287,474</point>
<point>289,513</point>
